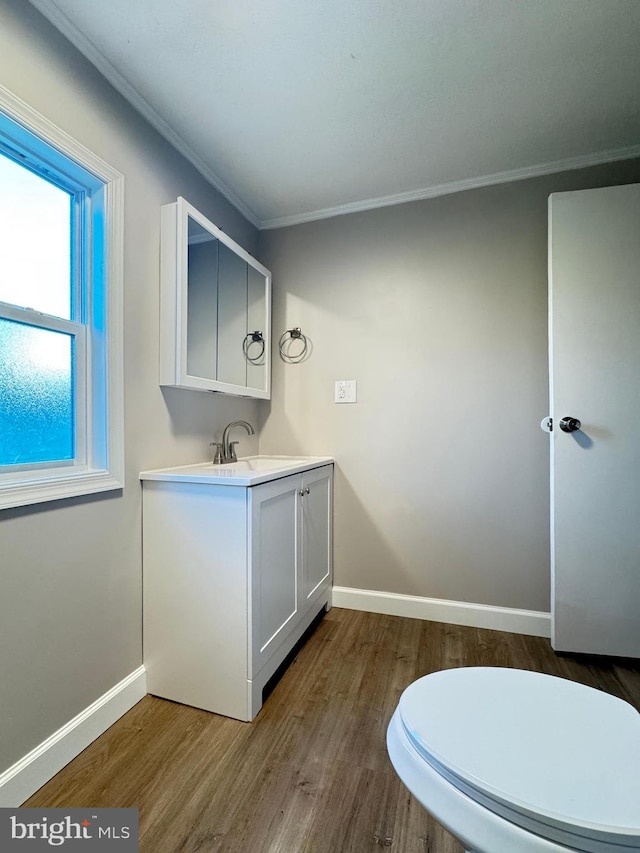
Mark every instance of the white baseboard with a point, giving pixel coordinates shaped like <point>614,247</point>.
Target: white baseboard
<point>533,622</point>
<point>32,771</point>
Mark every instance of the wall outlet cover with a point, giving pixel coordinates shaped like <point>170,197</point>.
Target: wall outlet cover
<point>345,391</point>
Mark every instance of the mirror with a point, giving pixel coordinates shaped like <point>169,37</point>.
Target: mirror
<point>222,308</point>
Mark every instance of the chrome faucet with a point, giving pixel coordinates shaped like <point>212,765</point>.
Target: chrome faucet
<point>226,451</point>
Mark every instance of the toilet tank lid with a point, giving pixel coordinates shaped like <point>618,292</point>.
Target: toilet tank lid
<point>546,747</point>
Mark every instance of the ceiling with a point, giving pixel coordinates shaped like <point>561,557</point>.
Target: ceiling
<point>302,110</point>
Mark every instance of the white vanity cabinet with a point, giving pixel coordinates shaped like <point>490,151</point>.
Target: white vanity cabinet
<point>233,576</point>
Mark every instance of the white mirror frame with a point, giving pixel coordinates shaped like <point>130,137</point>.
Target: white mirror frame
<point>174,254</point>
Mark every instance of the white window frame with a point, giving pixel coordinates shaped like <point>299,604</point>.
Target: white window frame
<point>99,390</point>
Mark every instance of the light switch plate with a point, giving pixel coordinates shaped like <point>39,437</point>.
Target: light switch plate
<point>345,391</point>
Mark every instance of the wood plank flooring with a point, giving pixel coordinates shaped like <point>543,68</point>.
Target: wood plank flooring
<point>311,773</point>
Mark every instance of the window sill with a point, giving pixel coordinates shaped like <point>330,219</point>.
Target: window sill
<point>14,493</point>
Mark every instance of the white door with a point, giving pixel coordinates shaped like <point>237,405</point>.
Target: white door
<point>594,298</point>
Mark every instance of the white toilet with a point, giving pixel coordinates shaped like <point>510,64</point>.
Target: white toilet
<point>511,761</point>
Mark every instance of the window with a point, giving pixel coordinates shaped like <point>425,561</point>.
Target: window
<point>60,313</point>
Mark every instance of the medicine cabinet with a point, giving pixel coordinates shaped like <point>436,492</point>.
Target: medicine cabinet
<point>215,308</point>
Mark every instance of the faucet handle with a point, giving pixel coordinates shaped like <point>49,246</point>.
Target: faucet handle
<point>232,451</point>
<point>217,458</point>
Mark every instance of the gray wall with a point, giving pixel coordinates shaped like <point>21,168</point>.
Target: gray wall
<point>439,310</point>
<point>70,571</point>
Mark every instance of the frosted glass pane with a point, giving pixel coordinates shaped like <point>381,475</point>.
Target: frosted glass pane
<point>35,241</point>
<point>36,395</point>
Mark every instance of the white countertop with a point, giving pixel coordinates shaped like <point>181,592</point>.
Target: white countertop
<point>248,471</point>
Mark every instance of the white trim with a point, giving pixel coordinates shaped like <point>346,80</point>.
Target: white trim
<point>58,486</point>
<point>96,58</point>
<point>114,253</point>
<point>29,317</point>
<point>535,171</point>
<point>36,123</point>
<point>90,51</point>
<point>106,456</point>
<point>40,765</point>
<point>552,434</point>
<point>532,622</point>
<point>49,9</point>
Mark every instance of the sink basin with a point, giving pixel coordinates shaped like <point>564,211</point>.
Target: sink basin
<point>245,472</point>
<point>258,463</point>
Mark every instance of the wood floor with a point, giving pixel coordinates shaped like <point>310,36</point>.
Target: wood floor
<point>311,773</point>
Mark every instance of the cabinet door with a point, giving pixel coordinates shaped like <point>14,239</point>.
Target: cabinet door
<point>316,532</point>
<point>213,296</point>
<point>274,557</point>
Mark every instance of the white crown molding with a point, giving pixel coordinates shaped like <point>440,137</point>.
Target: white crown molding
<point>49,9</point>
<point>531,622</point>
<point>52,12</point>
<point>536,171</point>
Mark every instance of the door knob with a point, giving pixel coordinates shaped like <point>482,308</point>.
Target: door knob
<point>568,424</point>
